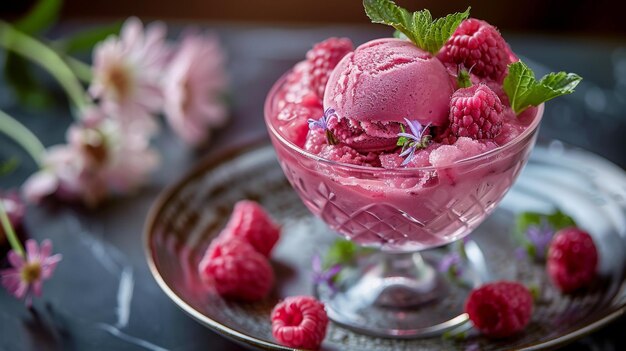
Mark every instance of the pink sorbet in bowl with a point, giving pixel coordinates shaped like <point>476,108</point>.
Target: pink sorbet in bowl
<point>441,196</point>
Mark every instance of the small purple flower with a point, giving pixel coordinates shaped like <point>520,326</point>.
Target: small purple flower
<point>413,141</point>
<point>540,237</point>
<point>451,263</point>
<point>521,253</point>
<point>28,272</point>
<point>321,276</point>
<point>322,124</point>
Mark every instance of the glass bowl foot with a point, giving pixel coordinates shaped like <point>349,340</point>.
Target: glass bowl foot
<point>400,295</point>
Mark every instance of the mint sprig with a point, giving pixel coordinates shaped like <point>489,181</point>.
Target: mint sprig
<point>419,26</point>
<point>557,220</point>
<point>463,78</point>
<point>524,90</point>
<point>343,252</point>
<point>402,141</point>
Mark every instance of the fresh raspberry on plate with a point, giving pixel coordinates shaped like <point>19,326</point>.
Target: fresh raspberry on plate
<point>478,46</point>
<point>237,270</point>
<point>476,112</point>
<point>500,309</point>
<point>324,56</point>
<point>572,259</point>
<point>300,322</point>
<point>252,224</point>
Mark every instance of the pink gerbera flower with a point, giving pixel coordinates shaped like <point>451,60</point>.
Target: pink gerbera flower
<point>194,85</point>
<point>100,158</point>
<point>127,72</point>
<point>27,274</point>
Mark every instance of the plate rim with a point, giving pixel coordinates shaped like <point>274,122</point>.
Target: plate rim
<point>233,152</point>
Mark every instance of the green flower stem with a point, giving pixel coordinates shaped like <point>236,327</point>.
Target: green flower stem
<point>32,49</point>
<point>9,232</point>
<point>24,137</point>
<point>80,69</point>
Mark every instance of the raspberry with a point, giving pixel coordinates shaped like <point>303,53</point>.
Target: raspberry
<point>500,309</point>
<point>298,88</point>
<point>446,137</point>
<point>252,224</point>
<point>292,120</point>
<point>476,112</point>
<point>572,259</point>
<point>315,141</point>
<point>236,270</point>
<point>478,46</point>
<point>345,154</point>
<point>300,322</point>
<point>324,56</point>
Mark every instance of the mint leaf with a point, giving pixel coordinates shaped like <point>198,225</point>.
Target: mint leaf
<point>399,35</point>
<point>341,252</point>
<point>558,220</point>
<point>463,79</point>
<point>524,90</point>
<point>402,140</point>
<point>345,253</point>
<point>387,12</point>
<point>434,34</point>
<point>418,26</point>
<point>527,219</point>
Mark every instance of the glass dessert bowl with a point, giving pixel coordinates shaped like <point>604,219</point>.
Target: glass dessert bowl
<point>400,212</point>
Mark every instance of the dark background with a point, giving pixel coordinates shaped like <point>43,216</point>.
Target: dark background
<point>588,17</point>
<point>263,39</point>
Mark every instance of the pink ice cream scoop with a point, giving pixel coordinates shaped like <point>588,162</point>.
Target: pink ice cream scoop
<point>381,83</point>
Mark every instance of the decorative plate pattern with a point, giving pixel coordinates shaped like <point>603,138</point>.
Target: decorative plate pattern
<point>191,213</point>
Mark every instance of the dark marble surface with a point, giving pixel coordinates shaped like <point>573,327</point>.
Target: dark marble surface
<point>103,297</point>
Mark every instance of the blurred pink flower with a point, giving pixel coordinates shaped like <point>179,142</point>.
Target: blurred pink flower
<point>100,158</point>
<point>15,208</point>
<point>127,71</point>
<point>27,274</point>
<point>194,85</point>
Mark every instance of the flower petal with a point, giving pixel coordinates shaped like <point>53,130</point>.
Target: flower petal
<point>333,271</point>
<point>21,290</point>
<point>408,136</point>
<point>32,250</point>
<point>15,259</point>
<point>415,129</point>
<point>37,287</point>
<point>40,185</point>
<point>45,249</point>
<point>49,265</point>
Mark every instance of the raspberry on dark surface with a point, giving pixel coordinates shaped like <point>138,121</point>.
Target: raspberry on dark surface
<point>572,260</point>
<point>299,321</point>
<point>323,57</point>
<point>476,112</point>
<point>479,47</point>
<point>236,270</point>
<point>500,309</point>
<point>251,223</point>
